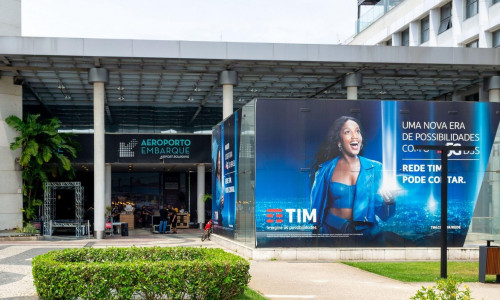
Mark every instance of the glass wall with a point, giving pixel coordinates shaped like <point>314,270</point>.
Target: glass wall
<point>141,191</point>
<point>485,224</point>
<point>374,13</point>
<point>245,205</point>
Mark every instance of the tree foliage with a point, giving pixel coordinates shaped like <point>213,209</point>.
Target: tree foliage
<point>45,153</point>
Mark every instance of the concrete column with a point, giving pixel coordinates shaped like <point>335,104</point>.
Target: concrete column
<point>433,26</point>
<point>227,79</point>
<point>201,192</point>
<point>107,193</point>
<point>457,17</point>
<point>414,33</point>
<point>494,88</point>
<point>99,77</point>
<point>456,96</point>
<point>352,81</point>
<point>396,39</point>
<point>494,95</point>
<point>485,37</point>
<point>227,96</point>
<point>11,198</point>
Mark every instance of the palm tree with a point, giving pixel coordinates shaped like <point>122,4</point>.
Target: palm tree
<point>44,153</point>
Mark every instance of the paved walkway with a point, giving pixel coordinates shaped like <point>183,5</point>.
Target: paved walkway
<point>274,279</point>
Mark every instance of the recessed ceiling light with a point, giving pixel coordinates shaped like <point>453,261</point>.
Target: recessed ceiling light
<point>120,88</point>
<point>190,99</point>
<point>121,98</point>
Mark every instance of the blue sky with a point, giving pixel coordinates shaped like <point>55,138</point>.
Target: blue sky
<point>267,21</point>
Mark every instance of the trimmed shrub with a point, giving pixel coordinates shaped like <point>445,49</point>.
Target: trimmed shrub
<point>140,272</point>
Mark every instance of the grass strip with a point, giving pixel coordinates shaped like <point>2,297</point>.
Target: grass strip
<point>422,271</point>
<point>250,294</point>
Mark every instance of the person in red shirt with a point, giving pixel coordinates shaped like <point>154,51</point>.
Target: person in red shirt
<point>209,224</point>
<point>208,230</point>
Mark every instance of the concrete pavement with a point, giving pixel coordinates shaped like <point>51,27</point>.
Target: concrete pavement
<point>274,279</point>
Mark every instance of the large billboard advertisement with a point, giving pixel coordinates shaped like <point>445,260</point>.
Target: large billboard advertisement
<point>343,173</point>
<point>225,145</point>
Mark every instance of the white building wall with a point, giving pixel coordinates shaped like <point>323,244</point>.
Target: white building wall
<point>445,39</point>
<point>493,16</point>
<point>457,17</point>
<point>10,175</point>
<point>462,32</point>
<point>396,19</point>
<point>470,31</point>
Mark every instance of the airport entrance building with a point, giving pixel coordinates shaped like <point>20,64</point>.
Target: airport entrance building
<point>126,95</point>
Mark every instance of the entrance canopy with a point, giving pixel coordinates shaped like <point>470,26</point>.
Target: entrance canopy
<point>172,86</point>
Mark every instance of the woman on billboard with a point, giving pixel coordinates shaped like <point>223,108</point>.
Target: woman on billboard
<point>346,188</point>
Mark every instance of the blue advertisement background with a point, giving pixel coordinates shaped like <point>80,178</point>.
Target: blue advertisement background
<point>225,138</point>
<point>289,133</point>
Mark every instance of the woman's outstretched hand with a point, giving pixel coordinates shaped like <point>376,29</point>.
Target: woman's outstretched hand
<point>389,196</point>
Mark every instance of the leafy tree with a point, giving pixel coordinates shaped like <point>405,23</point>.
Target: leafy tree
<point>45,152</point>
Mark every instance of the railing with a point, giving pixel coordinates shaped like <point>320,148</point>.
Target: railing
<point>375,13</point>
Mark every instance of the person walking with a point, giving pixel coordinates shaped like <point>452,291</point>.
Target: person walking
<point>163,220</point>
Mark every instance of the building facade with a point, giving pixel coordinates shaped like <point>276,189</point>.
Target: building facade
<point>113,86</point>
<point>429,23</point>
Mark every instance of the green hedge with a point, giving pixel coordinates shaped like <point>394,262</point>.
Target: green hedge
<point>145,273</point>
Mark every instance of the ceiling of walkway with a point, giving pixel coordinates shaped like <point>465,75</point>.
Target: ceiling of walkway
<point>157,94</point>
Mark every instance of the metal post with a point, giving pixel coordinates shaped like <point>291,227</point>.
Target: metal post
<point>444,213</point>
<point>189,192</point>
<point>444,198</point>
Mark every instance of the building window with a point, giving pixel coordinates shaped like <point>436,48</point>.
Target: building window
<point>388,43</point>
<point>424,30</point>
<point>473,44</point>
<point>496,39</point>
<point>495,1</point>
<point>405,37</point>
<point>445,15</point>
<point>471,8</point>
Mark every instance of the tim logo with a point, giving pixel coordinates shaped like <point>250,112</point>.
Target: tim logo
<point>275,215</point>
<point>125,150</point>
